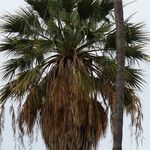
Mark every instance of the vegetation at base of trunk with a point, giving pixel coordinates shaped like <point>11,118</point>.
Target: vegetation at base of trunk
<point>61,70</point>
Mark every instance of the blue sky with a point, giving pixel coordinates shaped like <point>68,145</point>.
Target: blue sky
<point>142,9</point>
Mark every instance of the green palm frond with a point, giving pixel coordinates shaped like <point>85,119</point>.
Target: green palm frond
<point>86,8</point>
<point>41,6</point>
<point>69,5</point>
<point>31,47</point>
<point>16,65</point>
<point>25,22</point>
<point>134,43</point>
<point>136,52</point>
<point>18,87</point>
<point>134,78</point>
<point>134,33</point>
<point>103,10</point>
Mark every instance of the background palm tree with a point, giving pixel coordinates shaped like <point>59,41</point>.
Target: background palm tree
<point>117,126</point>
<point>62,70</point>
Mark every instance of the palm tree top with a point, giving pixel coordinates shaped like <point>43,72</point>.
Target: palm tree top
<point>62,62</point>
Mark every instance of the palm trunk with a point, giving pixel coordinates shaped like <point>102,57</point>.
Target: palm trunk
<point>117,127</point>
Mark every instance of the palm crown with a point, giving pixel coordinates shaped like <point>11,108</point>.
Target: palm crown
<point>62,70</point>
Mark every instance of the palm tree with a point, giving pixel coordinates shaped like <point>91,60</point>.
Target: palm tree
<point>120,77</point>
<point>62,70</point>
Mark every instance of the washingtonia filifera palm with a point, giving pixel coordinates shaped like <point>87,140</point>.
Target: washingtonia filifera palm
<point>62,70</point>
